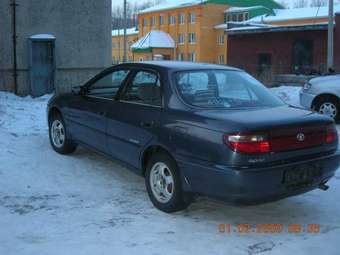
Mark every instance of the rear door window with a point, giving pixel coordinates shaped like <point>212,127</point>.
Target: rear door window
<point>144,88</point>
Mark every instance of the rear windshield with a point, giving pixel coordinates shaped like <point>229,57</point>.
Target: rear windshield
<point>223,89</point>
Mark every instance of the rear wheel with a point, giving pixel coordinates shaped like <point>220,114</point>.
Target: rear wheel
<point>329,106</point>
<point>59,138</point>
<point>163,184</point>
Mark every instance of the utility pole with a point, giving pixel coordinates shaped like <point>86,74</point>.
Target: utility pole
<point>330,46</point>
<point>14,42</point>
<point>125,38</point>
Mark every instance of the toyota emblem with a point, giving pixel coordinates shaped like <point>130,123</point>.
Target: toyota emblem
<point>300,137</point>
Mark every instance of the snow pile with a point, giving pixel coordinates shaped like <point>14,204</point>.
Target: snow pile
<point>289,94</point>
<point>23,116</point>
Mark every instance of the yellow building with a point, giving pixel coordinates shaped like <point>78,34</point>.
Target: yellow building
<point>118,44</point>
<point>191,28</point>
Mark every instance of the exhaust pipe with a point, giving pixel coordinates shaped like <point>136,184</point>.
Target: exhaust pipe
<point>323,186</point>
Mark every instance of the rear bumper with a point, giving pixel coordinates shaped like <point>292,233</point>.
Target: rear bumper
<point>253,185</point>
<point>306,99</point>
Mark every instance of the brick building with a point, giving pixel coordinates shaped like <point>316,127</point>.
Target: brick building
<point>268,51</point>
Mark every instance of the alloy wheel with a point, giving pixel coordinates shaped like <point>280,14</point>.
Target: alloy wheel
<point>328,109</point>
<point>161,182</point>
<point>58,133</point>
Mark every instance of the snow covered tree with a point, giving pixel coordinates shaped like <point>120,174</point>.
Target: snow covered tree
<point>132,10</point>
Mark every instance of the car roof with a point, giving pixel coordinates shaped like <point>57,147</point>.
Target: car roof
<point>179,65</point>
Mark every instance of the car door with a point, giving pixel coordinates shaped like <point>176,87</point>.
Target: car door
<point>88,111</point>
<point>135,119</point>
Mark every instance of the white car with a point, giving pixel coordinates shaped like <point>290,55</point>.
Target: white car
<point>322,94</point>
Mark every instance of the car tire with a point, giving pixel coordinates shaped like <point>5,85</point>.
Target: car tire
<point>59,138</point>
<point>328,105</point>
<point>163,176</point>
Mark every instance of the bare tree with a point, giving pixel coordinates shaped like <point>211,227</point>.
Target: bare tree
<point>300,3</point>
<point>318,3</point>
<point>132,10</point>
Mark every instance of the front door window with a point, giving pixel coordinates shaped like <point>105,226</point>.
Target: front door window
<point>108,86</point>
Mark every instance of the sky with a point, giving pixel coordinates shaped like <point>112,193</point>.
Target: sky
<point>120,2</point>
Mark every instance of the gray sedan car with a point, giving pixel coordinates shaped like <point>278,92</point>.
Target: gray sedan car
<point>322,94</point>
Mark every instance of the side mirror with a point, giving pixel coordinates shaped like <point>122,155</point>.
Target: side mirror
<point>79,90</point>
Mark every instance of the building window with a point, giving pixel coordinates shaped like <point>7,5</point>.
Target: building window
<point>192,56</point>
<point>153,21</point>
<point>236,17</point>
<point>180,56</point>
<point>192,17</point>
<point>114,45</point>
<point>181,38</point>
<point>221,59</point>
<point>145,22</point>
<point>130,44</point>
<point>227,18</point>
<point>172,20</point>
<point>220,39</point>
<point>181,18</point>
<point>161,20</point>
<point>192,38</point>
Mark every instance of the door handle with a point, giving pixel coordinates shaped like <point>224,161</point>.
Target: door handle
<point>148,124</point>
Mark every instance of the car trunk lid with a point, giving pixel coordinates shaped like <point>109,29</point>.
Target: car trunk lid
<point>294,134</point>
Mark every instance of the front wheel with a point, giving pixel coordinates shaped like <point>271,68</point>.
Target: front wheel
<point>163,184</point>
<point>328,106</point>
<point>59,137</point>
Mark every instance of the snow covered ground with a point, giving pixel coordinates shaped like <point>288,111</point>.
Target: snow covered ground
<point>87,204</point>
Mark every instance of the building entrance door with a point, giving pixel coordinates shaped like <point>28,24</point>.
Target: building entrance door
<point>42,66</point>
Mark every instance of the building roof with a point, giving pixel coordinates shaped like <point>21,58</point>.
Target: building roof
<point>180,65</point>
<point>167,5</point>
<point>253,29</point>
<point>296,14</point>
<point>174,4</point>
<point>154,39</point>
<point>241,25</point>
<point>129,31</point>
<point>42,36</point>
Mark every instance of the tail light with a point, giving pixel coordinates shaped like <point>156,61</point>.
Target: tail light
<point>331,134</point>
<point>248,144</point>
<point>255,143</point>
